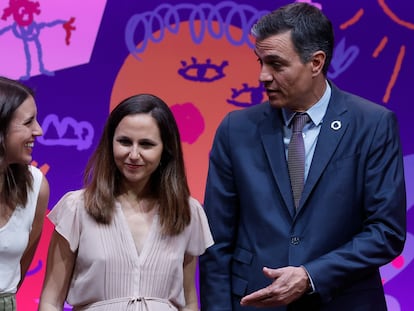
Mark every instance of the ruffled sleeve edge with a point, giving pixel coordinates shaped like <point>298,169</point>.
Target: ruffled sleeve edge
<point>200,235</point>
<point>65,215</point>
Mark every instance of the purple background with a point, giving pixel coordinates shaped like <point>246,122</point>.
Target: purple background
<point>83,93</point>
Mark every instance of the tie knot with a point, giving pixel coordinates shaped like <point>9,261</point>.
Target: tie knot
<point>299,121</point>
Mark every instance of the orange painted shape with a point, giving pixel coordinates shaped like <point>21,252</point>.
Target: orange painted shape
<point>157,72</point>
<point>380,47</point>
<point>394,76</point>
<point>393,16</point>
<point>353,20</point>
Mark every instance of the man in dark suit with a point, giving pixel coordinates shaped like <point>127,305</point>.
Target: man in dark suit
<point>320,249</point>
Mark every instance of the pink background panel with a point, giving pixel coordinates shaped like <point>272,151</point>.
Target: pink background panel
<point>56,53</point>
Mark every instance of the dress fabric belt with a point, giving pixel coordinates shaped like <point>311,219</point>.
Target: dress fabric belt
<point>131,303</point>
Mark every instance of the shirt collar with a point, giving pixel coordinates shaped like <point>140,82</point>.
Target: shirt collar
<point>316,112</point>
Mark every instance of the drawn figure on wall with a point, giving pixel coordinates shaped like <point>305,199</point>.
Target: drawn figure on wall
<point>26,29</point>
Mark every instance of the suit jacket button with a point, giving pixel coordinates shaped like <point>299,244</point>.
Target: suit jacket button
<point>295,240</point>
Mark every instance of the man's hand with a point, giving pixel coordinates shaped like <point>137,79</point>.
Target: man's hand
<point>289,283</point>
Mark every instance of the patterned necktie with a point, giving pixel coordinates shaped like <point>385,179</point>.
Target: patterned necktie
<point>296,156</point>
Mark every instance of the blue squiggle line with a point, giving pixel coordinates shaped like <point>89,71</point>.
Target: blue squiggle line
<point>35,269</point>
<point>168,17</point>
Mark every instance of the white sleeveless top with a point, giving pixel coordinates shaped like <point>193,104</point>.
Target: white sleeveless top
<point>14,237</point>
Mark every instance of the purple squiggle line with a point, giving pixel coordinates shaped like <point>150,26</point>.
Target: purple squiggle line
<point>169,17</point>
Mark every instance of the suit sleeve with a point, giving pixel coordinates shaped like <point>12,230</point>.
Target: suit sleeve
<point>383,231</point>
<point>221,206</point>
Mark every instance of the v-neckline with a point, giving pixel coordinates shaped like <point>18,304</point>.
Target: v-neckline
<point>146,241</point>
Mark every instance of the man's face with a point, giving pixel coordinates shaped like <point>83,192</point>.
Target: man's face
<point>287,80</point>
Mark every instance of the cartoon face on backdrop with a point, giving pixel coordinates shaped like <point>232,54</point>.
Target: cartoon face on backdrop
<point>199,82</point>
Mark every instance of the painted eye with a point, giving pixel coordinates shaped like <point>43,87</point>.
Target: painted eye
<point>202,72</point>
<point>247,96</point>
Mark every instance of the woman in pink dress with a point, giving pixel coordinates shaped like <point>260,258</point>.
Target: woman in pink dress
<point>130,239</point>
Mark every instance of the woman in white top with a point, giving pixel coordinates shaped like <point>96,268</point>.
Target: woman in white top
<point>24,191</point>
<point>130,239</point>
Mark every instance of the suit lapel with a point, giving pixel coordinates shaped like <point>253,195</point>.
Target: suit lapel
<point>335,123</point>
<point>271,132</point>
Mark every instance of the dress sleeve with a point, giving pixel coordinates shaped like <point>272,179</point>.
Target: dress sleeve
<point>200,237</point>
<point>65,215</point>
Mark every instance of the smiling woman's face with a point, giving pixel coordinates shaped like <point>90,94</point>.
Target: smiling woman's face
<point>22,132</point>
<point>137,148</point>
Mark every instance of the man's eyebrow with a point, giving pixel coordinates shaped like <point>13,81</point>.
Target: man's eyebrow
<point>274,58</point>
<point>271,57</point>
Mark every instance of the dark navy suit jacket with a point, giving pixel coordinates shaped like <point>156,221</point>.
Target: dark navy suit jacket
<point>351,218</point>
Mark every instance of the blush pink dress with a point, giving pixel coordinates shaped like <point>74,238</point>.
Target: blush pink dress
<point>110,275</point>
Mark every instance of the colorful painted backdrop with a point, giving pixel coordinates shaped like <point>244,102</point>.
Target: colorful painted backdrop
<point>83,57</point>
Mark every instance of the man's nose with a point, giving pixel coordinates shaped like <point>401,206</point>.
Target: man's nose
<point>265,75</point>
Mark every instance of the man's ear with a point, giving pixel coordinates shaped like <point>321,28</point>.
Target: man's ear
<point>317,62</point>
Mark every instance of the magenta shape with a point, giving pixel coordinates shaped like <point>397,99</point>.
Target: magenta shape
<point>189,120</point>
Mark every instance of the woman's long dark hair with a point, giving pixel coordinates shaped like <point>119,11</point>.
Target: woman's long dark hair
<point>17,180</point>
<point>168,184</point>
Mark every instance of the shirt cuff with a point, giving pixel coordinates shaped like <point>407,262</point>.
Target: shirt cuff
<point>312,288</point>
